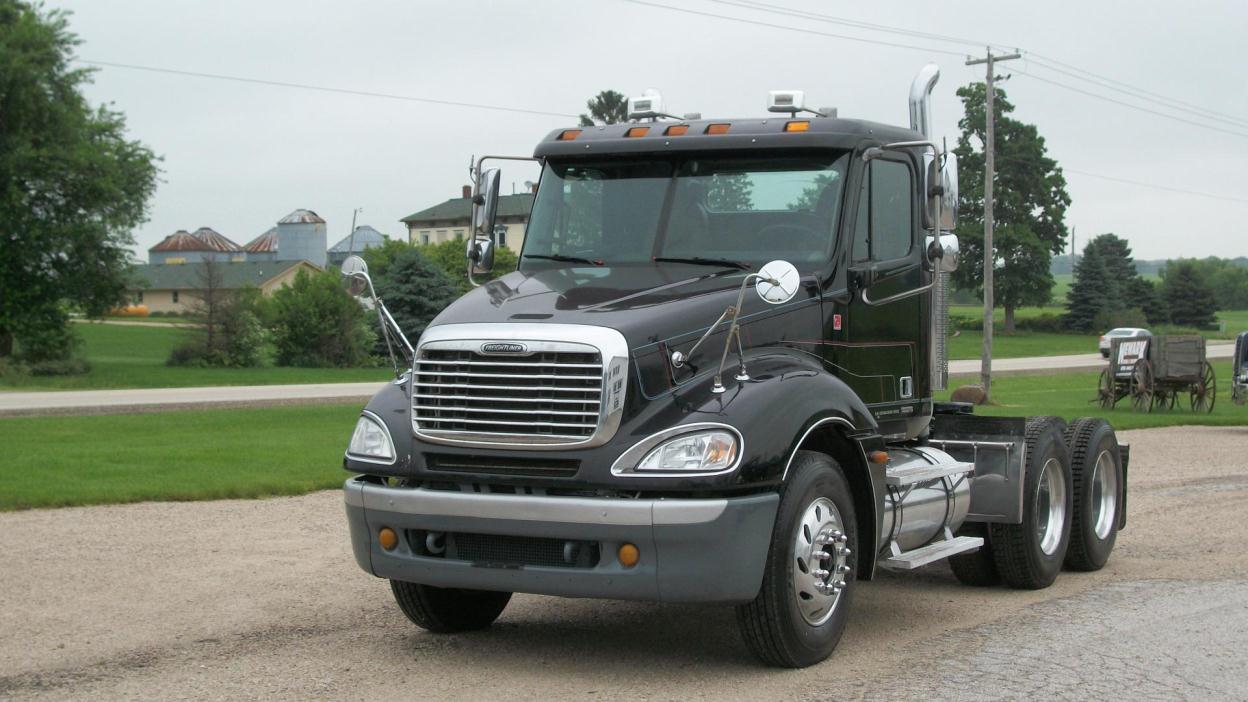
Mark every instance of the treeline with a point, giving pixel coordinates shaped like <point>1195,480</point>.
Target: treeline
<point>313,322</point>
<point>1108,291</point>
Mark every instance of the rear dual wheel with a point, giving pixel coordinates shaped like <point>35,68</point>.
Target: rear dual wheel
<point>1097,494</point>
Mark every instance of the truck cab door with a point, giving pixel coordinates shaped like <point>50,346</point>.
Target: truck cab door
<point>877,345</point>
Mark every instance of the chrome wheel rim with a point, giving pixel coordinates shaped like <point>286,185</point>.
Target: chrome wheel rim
<point>1104,494</point>
<point>820,561</point>
<point>1050,506</point>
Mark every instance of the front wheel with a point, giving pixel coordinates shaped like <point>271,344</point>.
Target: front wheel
<point>802,607</point>
<point>448,610</point>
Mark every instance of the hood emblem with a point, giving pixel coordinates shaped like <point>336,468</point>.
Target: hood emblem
<point>503,347</point>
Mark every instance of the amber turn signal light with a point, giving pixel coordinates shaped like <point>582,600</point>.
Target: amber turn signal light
<point>628,555</point>
<point>387,538</point>
<point>879,458</point>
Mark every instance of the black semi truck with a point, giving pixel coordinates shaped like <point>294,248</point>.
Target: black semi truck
<point>711,379</point>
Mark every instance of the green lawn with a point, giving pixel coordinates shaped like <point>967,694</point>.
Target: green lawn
<point>198,455</point>
<point>134,357</point>
<point>969,344</point>
<point>1070,396</point>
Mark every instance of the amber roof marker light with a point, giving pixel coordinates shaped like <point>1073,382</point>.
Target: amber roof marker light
<point>637,131</point>
<point>677,130</point>
<point>569,134</point>
<point>797,126</point>
<point>720,128</point>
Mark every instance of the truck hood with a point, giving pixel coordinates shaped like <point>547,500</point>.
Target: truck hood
<point>646,303</point>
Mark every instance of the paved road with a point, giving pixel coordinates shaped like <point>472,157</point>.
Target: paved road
<point>160,399</point>
<point>261,599</point>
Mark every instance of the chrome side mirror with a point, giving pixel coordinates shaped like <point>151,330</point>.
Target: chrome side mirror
<point>355,277</point>
<point>480,255</point>
<point>942,251</point>
<point>485,203</point>
<point>949,192</point>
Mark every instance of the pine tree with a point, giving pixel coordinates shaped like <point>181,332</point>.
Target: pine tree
<point>1085,304</point>
<point>1189,298</point>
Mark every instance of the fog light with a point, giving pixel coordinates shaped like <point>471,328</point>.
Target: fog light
<point>629,555</point>
<point>387,538</point>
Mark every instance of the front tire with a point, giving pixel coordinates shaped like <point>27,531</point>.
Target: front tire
<point>1029,555</point>
<point>1096,471</point>
<point>448,610</point>
<point>800,612</point>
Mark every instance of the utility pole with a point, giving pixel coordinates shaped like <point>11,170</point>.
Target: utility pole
<point>985,368</point>
<point>351,241</point>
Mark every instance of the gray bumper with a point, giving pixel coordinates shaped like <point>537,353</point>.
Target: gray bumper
<point>692,550</point>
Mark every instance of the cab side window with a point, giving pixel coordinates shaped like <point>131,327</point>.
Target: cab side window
<point>884,226</point>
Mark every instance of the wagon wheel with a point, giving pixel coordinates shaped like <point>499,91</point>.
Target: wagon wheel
<point>1141,387</point>
<point>1205,390</point>
<point>1106,393</point>
<point>1165,399</point>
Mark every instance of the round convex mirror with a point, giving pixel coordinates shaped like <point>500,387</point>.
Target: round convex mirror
<point>355,275</point>
<point>777,282</point>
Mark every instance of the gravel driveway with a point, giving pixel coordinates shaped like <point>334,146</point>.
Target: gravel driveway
<point>261,599</point>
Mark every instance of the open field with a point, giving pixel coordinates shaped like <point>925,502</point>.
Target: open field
<point>134,357</point>
<point>1020,344</point>
<point>251,599</point>
<point>197,455</point>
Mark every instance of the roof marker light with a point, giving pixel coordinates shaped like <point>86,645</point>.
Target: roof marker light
<point>677,130</point>
<point>637,131</point>
<point>569,134</point>
<point>721,128</point>
<point>800,126</point>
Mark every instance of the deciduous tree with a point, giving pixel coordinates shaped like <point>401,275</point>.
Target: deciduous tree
<point>607,107</point>
<point>72,186</point>
<point>1029,205</point>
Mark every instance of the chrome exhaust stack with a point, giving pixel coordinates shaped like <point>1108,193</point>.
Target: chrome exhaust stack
<point>921,121</point>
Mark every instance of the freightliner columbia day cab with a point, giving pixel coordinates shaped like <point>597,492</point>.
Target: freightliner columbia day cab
<point>711,380</point>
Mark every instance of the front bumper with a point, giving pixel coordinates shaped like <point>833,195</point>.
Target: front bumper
<point>692,550</point>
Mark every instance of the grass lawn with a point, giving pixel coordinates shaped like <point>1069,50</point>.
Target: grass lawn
<point>969,344</point>
<point>1068,396</point>
<point>134,357</point>
<point>199,455</point>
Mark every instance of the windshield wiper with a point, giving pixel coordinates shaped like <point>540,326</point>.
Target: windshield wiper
<point>700,261</point>
<point>565,259</point>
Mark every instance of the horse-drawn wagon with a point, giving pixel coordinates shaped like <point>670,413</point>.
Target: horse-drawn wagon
<point>1155,372</point>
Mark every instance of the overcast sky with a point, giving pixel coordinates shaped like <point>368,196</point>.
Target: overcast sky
<point>237,156</point>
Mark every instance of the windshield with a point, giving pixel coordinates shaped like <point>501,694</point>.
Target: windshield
<point>748,210</point>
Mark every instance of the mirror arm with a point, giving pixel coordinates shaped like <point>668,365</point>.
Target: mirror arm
<point>396,329</point>
<point>734,332</point>
<point>680,359</point>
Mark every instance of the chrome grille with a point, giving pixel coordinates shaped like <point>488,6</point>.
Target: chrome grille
<point>551,394</point>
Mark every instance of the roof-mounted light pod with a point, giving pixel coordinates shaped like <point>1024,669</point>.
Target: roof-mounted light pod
<point>791,102</point>
<point>648,106</point>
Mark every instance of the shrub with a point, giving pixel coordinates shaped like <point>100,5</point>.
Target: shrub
<point>316,323</point>
<point>233,338</point>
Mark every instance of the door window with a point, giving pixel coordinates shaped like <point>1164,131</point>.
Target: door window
<point>884,227</point>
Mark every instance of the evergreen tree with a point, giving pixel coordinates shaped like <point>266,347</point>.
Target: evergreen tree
<point>414,288</point>
<point>1085,304</point>
<point>1188,297</point>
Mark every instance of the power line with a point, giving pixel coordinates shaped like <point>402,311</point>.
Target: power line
<point>325,89</point>
<point>846,37</point>
<point>1042,59</point>
<point>1140,94</point>
<point>1127,104</point>
<point>1226,198</point>
<point>777,9</point>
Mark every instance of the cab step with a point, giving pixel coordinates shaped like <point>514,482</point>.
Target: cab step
<point>909,560</point>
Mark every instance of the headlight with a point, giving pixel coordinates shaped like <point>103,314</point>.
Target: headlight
<point>371,441</point>
<point>703,452</point>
